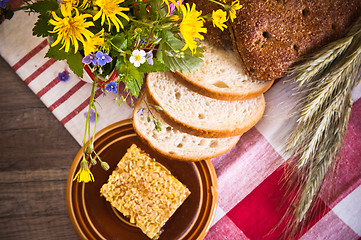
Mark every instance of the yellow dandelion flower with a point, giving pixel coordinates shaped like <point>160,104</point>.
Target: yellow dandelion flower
<point>84,174</point>
<point>191,26</point>
<point>71,3</point>
<point>92,44</point>
<point>219,17</point>
<point>235,6</point>
<point>109,9</point>
<point>75,3</point>
<point>85,4</point>
<point>174,18</point>
<point>70,29</point>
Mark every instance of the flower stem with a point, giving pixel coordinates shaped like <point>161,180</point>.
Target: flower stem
<point>140,22</point>
<point>219,3</point>
<point>95,122</point>
<point>87,123</point>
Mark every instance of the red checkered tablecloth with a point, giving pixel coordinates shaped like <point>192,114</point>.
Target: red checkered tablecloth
<point>249,176</point>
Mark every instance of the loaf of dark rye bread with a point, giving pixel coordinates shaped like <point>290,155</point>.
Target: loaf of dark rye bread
<point>269,36</point>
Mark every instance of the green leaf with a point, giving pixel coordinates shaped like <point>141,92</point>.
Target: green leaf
<point>120,41</point>
<point>133,84</point>
<point>120,66</point>
<point>56,53</point>
<point>131,76</point>
<point>140,11</point>
<point>44,7</point>
<point>157,124</point>
<point>42,27</point>
<point>157,10</point>
<point>135,72</point>
<point>73,60</point>
<point>173,42</point>
<point>8,13</point>
<point>176,60</point>
<point>157,66</point>
<point>178,64</point>
<point>75,63</point>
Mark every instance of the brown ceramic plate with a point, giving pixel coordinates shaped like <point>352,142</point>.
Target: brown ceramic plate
<point>94,218</point>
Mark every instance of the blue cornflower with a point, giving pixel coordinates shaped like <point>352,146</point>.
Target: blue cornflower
<point>91,58</point>
<point>103,58</point>
<point>149,57</point>
<point>2,3</point>
<point>91,115</point>
<point>63,76</point>
<point>111,87</point>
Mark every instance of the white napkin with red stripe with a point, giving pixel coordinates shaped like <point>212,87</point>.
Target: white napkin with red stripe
<point>67,100</point>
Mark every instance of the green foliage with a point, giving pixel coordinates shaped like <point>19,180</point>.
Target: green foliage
<point>44,7</point>
<point>130,75</point>
<point>6,13</point>
<point>120,42</point>
<point>133,82</point>
<point>176,60</point>
<point>156,10</point>
<point>157,66</point>
<point>133,76</point>
<point>157,124</point>
<point>42,27</point>
<point>73,60</point>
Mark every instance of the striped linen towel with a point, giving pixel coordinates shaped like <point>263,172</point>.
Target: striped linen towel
<point>248,176</point>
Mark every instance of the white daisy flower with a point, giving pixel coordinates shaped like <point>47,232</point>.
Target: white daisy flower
<point>138,57</point>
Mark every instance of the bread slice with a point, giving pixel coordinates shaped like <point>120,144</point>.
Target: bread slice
<point>173,143</point>
<point>222,77</point>
<point>201,115</point>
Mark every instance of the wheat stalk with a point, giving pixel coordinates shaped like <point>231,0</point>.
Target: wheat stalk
<point>325,80</point>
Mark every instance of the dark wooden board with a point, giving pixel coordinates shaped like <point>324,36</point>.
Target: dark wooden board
<point>36,153</point>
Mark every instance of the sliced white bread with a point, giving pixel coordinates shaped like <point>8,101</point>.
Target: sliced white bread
<point>173,143</point>
<point>222,76</point>
<point>201,115</point>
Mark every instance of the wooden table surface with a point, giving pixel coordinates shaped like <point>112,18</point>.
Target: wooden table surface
<point>36,154</point>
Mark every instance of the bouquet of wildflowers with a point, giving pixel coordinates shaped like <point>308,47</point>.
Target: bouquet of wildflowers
<point>121,41</point>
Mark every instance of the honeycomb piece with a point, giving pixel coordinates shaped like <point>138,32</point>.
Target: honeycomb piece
<point>144,191</point>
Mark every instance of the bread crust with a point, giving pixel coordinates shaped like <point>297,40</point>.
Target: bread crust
<point>270,36</point>
<point>147,141</point>
<point>179,157</point>
<point>230,96</point>
<point>207,133</point>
